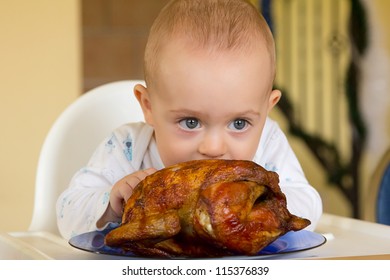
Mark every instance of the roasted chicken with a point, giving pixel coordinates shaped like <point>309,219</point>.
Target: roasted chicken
<point>205,208</point>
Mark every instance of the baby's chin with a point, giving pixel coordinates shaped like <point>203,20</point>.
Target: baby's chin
<point>170,163</point>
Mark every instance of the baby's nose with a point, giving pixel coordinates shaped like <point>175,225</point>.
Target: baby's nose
<point>213,145</point>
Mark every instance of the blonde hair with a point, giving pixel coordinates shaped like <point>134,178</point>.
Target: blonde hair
<point>212,24</point>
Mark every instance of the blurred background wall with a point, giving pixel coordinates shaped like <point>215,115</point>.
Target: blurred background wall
<point>40,74</point>
<point>53,51</point>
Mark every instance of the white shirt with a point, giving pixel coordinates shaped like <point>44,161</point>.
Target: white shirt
<point>132,147</point>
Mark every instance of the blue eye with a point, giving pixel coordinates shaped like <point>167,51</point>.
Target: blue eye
<point>189,123</point>
<point>238,124</point>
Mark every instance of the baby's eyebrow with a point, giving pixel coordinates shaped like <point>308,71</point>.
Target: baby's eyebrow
<point>233,115</point>
<point>250,112</point>
<point>186,112</point>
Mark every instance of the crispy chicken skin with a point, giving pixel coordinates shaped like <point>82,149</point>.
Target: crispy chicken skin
<point>205,208</point>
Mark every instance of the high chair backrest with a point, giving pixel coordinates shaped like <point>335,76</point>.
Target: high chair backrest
<point>73,138</point>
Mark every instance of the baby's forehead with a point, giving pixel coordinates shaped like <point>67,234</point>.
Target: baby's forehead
<point>180,57</point>
<point>212,52</point>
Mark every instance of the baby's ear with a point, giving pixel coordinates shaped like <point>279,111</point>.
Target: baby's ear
<point>274,98</point>
<point>142,95</point>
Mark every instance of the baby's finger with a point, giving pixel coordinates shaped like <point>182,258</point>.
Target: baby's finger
<point>131,181</point>
<point>149,171</point>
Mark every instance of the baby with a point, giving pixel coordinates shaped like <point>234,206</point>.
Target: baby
<point>209,72</point>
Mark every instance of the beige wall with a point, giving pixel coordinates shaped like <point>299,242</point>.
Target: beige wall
<point>40,76</point>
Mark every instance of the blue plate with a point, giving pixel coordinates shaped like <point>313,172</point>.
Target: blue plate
<point>292,241</point>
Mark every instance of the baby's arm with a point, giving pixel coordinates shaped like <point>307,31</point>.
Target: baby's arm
<point>87,198</point>
<point>277,155</point>
<point>119,194</point>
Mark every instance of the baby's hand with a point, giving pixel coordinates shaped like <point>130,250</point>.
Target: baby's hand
<point>120,193</point>
<point>123,189</point>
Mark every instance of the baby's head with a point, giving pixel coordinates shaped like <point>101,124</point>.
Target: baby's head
<point>207,25</point>
<point>209,71</point>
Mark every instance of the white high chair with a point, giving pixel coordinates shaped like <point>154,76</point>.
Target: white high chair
<point>73,138</point>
